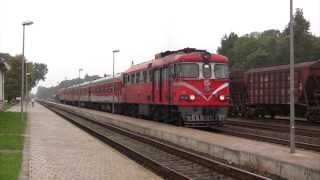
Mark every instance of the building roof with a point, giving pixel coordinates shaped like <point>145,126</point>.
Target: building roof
<point>4,66</point>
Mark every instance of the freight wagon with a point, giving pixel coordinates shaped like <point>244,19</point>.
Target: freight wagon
<point>265,91</point>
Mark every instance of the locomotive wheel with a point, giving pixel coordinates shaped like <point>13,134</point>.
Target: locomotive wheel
<point>179,120</point>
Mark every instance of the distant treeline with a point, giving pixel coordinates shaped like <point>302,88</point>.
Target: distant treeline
<point>271,47</point>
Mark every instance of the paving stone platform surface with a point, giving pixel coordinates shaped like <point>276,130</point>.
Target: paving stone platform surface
<point>59,150</point>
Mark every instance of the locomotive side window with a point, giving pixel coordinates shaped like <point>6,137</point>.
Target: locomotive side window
<point>221,71</point>
<point>156,75</point>
<point>150,75</point>
<point>164,73</point>
<point>206,70</point>
<point>132,78</point>
<point>171,71</point>
<point>187,70</point>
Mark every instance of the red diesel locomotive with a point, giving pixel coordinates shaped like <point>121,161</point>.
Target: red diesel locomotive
<point>188,87</point>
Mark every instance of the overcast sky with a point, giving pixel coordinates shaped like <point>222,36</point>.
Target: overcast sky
<point>71,34</point>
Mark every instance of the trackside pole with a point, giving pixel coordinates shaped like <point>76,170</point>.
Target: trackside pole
<point>292,108</point>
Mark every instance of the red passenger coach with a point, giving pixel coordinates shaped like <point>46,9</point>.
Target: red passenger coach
<point>187,86</point>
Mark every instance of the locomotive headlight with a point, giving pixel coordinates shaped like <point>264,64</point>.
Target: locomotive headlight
<point>192,97</point>
<point>222,97</point>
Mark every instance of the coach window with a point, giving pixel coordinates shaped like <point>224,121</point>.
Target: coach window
<point>124,79</point>
<point>128,79</point>
<point>138,77</point>
<point>144,75</point>
<point>132,78</point>
<point>150,75</point>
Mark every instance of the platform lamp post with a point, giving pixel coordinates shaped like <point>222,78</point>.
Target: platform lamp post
<point>292,108</point>
<point>24,24</point>
<point>113,54</point>
<point>80,69</point>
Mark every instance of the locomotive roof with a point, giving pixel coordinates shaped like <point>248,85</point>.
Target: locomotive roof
<point>286,66</point>
<point>184,55</point>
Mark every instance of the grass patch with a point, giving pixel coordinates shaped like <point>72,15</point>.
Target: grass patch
<point>10,123</point>
<point>11,144</point>
<point>10,165</point>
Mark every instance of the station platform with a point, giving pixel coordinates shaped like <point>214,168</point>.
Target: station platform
<point>249,154</point>
<point>59,150</point>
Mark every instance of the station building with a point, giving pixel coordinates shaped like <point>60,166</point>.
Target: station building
<point>4,67</point>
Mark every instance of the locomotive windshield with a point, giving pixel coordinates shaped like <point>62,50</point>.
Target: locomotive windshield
<point>187,70</point>
<point>221,71</point>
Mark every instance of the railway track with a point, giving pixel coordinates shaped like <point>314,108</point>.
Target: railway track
<point>303,130</point>
<point>166,160</point>
<point>306,138</point>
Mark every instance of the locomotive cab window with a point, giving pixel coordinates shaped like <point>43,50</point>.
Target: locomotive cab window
<point>187,70</point>
<point>221,71</point>
<point>206,70</point>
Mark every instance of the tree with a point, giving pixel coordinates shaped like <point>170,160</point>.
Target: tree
<point>12,82</point>
<point>38,72</point>
<point>271,47</point>
<point>13,77</point>
<point>303,39</point>
<point>227,44</point>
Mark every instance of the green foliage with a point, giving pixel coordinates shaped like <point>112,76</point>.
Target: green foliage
<point>37,72</point>
<point>271,47</point>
